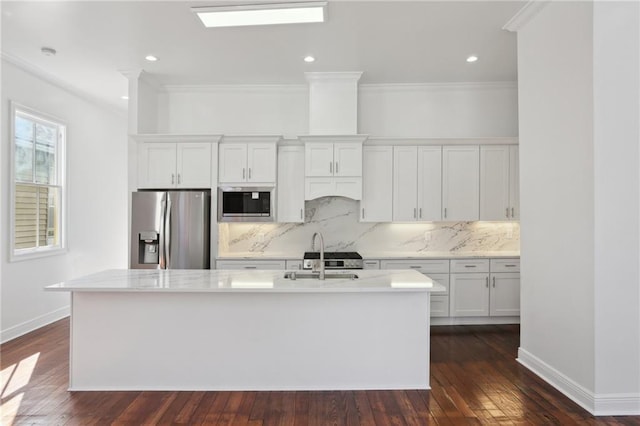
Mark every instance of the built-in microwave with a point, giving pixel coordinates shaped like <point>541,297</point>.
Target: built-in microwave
<point>246,204</point>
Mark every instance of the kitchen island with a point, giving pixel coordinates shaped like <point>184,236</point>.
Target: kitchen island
<point>248,330</point>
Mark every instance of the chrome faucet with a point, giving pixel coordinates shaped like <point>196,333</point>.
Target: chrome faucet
<point>318,265</point>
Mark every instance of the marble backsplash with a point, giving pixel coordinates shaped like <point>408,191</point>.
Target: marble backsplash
<point>337,219</point>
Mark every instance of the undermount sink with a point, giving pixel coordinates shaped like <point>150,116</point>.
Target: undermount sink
<point>316,276</point>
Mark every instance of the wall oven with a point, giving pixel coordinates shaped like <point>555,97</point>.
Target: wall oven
<point>246,204</point>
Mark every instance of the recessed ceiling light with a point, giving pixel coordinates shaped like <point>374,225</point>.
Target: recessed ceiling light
<point>151,58</point>
<point>261,14</point>
<point>125,97</point>
<point>309,59</point>
<point>48,51</point>
<point>472,58</point>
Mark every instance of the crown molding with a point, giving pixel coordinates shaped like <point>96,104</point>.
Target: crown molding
<point>59,83</point>
<point>440,86</point>
<point>525,14</point>
<point>212,88</point>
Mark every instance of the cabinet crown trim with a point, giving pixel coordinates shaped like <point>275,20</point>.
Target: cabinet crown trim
<point>333,138</point>
<point>175,138</point>
<point>377,140</point>
<point>251,138</point>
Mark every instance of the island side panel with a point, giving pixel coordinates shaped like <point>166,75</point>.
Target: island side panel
<point>249,341</point>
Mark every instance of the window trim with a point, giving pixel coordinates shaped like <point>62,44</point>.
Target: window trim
<point>16,255</point>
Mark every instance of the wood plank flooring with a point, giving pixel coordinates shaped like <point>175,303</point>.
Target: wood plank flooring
<point>475,380</point>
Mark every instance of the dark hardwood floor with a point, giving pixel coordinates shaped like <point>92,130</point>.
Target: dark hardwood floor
<point>475,380</point>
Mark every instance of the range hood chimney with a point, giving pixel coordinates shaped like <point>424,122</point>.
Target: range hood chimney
<point>333,103</point>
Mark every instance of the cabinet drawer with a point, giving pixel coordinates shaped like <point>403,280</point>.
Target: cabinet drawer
<point>250,264</point>
<point>293,265</point>
<point>439,306</point>
<point>439,266</point>
<point>505,265</point>
<point>469,265</point>
<point>371,264</point>
<point>441,279</point>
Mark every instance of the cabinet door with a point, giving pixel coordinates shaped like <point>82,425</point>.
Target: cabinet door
<point>318,159</point>
<point>377,184</point>
<point>156,165</point>
<point>505,295</point>
<point>261,162</point>
<point>405,183</point>
<point>494,183</point>
<point>347,159</point>
<point>460,183</point>
<point>290,187</point>
<point>469,295</point>
<point>193,165</point>
<point>430,183</point>
<point>514,181</point>
<point>232,163</point>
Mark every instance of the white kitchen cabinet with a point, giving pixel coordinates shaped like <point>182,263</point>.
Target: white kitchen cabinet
<point>469,295</point>
<point>370,264</point>
<point>326,159</point>
<point>460,183</point>
<point>251,264</point>
<point>295,265</point>
<point>377,184</point>
<point>417,183</point>
<point>499,194</point>
<point>504,294</point>
<point>163,165</point>
<point>247,162</point>
<point>290,185</point>
<point>329,187</point>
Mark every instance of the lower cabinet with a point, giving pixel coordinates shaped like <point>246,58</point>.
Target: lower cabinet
<point>504,295</point>
<point>469,295</point>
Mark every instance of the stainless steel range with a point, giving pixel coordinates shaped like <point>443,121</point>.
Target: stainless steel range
<point>334,259</point>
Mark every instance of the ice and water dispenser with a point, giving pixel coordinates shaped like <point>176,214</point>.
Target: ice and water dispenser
<point>149,247</point>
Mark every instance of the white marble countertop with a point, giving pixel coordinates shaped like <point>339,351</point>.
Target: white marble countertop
<point>369,255</point>
<point>207,281</point>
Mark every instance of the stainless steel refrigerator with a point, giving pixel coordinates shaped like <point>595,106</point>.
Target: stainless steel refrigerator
<point>170,229</point>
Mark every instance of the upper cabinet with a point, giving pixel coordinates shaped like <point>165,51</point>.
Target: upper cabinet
<point>417,183</point>
<point>499,196</point>
<point>333,166</point>
<point>166,162</point>
<point>460,183</point>
<point>290,188</point>
<point>247,159</point>
<point>377,184</point>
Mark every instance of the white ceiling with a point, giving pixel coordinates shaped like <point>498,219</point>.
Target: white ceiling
<point>390,41</point>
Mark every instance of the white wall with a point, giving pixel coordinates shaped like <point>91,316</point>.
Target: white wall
<point>426,110</point>
<point>557,195</point>
<point>617,197</point>
<point>578,66</point>
<point>96,206</point>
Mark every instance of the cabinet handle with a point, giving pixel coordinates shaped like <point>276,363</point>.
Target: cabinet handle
<point>336,167</point>
<point>250,267</point>
<point>249,172</point>
<point>173,178</point>
<point>331,167</point>
<point>494,282</point>
<point>470,266</point>
<point>510,266</point>
<point>445,212</point>
<point>179,178</point>
<point>301,214</point>
<point>507,213</point>
<point>414,213</point>
<point>363,212</point>
<point>414,267</point>
<point>420,212</point>
<point>487,281</point>
<point>512,212</point>
<point>243,173</point>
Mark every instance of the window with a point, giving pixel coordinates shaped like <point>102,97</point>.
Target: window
<point>38,190</point>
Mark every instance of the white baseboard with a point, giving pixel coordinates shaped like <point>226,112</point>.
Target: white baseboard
<point>33,324</point>
<point>474,320</point>
<point>597,404</point>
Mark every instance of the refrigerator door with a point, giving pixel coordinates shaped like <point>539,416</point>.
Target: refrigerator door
<point>147,239</point>
<point>187,230</point>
